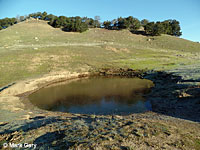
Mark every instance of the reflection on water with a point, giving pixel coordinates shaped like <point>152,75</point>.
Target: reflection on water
<point>96,96</point>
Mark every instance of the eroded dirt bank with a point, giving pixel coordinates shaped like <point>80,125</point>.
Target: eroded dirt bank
<point>173,99</point>
<point>10,97</point>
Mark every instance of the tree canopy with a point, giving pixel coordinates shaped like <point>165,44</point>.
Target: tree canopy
<point>6,22</point>
<point>81,24</point>
<point>171,27</point>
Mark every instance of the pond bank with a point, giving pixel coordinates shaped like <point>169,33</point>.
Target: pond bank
<point>159,129</point>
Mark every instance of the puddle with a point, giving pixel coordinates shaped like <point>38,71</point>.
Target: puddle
<point>98,95</point>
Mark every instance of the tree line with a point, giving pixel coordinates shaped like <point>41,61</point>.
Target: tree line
<point>74,24</point>
<point>171,27</point>
<point>81,24</point>
<point>6,22</point>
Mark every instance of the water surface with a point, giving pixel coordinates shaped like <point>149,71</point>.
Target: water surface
<point>96,96</point>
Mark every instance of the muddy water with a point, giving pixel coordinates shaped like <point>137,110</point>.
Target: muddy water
<point>96,96</point>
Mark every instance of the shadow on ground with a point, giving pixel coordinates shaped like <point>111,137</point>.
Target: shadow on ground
<point>25,126</point>
<point>172,97</point>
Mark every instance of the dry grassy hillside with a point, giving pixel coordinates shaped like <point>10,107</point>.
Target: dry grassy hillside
<point>36,50</point>
<point>33,48</point>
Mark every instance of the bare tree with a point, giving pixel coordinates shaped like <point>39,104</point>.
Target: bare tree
<point>97,18</point>
<point>21,18</point>
<point>17,18</point>
<point>97,21</point>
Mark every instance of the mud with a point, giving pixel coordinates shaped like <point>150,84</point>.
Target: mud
<point>172,124</point>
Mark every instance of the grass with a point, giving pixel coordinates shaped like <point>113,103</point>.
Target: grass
<point>31,49</point>
<point>197,144</point>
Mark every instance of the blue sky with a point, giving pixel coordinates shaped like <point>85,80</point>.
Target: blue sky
<point>185,11</point>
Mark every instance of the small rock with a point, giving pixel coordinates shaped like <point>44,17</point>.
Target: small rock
<point>3,123</point>
<point>118,117</point>
<point>93,116</point>
<point>184,95</point>
<point>54,142</point>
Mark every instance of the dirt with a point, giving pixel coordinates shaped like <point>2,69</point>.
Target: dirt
<point>32,84</point>
<point>9,97</point>
<point>172,124</point>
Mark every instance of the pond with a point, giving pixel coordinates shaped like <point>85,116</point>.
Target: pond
<point>97,95</point>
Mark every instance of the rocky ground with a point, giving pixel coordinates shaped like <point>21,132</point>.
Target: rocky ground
<point>173,122</point>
